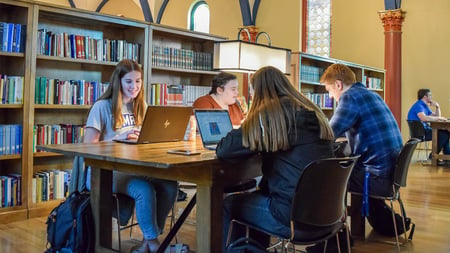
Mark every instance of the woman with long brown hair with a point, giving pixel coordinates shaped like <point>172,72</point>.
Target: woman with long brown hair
<point>118,114</point>
<point>288,131</point>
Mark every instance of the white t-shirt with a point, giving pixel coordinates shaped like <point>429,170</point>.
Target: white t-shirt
<point>100,117</point>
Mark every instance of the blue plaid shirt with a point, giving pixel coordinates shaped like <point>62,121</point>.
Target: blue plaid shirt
<point>370,128</point>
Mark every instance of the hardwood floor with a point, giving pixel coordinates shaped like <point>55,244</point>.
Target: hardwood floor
<point>426,199</point>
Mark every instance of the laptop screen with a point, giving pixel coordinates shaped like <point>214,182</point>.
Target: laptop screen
<point>213,124</point>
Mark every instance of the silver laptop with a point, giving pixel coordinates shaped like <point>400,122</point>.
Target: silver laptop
<point>213,126</point>
<point>163,124</point>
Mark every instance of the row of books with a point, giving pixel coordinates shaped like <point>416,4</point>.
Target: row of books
<point>50,185</point>
<point>373,82</point>
<point>310,73</point>
<point>11,89</point>
<point>10,190</point>
<point>67,92</point>
<point>323,100</point>
<point>56,134</point>
<point>84,47</point>
<point>12,37</point>
<point>181,58</point>
<point>10,139</point>
<point>176,94</point>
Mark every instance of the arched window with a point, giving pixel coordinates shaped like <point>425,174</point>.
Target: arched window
<point>317,27</point>
<point>199,17</point>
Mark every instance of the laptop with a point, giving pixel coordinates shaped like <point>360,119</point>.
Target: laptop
<point>162,124</point>
<point>213,126</point>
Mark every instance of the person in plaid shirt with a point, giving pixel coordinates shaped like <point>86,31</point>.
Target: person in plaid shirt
<point>371,131</point>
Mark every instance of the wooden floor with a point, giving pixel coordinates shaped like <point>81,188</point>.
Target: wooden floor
<point>427,201</point>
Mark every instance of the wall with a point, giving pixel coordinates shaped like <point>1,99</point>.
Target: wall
<point>426,53</point>
<point>358,35</point>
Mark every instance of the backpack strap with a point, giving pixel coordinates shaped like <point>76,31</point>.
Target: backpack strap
<point>79,176</point>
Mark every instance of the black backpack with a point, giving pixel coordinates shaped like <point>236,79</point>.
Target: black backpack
<point>70,225</point>
<point>380,218</point>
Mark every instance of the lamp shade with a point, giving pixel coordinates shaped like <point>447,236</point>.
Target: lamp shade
<point>242,56</point>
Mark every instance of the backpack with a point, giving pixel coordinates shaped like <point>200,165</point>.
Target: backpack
<point>70,225</point>
<point>380,218</point>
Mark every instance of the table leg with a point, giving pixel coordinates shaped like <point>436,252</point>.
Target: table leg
<point>358,224</point>
<point>434,145</point>
<point>209,218</point>
<point>101,203</point>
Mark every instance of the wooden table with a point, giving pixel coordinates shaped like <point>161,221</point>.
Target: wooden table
<point>205,170</point>
<point>435,126</point>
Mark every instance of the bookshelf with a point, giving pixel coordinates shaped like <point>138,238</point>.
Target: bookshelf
<point>16,14</point>
<point>306,70</point>
<point>46,61</point>
<point>194,72</point>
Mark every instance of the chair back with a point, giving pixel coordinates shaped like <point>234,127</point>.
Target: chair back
<point>319,199</point>
<point>416,129</point>
<point>403,161</point>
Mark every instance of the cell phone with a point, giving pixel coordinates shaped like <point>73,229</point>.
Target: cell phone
<point>183,152</point>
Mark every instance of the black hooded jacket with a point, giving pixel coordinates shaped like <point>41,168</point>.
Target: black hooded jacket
<point>281,170</point>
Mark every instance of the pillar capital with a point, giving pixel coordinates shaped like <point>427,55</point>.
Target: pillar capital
<point>252,30</point>
<point>392,19</point>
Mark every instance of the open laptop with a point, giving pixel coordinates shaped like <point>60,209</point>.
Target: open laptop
<point>213,126</point>
<point>163,124</point>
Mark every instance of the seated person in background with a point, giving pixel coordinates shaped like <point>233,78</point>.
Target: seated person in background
<point>420,110</point>
<point>223,95</point>
<point>371,131</point>
<point>119,113</point>
<point>288,131</point>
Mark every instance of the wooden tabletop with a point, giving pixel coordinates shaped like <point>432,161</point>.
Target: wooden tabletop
<point>210,175</point>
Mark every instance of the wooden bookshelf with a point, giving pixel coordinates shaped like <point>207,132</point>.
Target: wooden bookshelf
<point>16,64</point>
<point>41,20</point>
<point>306,70</point>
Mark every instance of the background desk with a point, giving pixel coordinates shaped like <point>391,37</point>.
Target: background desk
<point>435,126</point>
<point>205,170</point>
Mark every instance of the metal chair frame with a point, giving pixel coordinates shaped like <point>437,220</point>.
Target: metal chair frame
<point>417,130</point>
<point>309,199</point>
<point>400,176</point>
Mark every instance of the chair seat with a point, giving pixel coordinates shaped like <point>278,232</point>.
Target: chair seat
<point>241,186</point>
<point>313,234</point>
<point>126,208</point>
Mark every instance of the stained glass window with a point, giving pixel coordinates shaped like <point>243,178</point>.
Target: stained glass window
<point>318,27</point>
<point>199,17</point>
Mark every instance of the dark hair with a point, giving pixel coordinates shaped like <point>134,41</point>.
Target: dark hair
<point>220,80</point>
<point>422,93</point>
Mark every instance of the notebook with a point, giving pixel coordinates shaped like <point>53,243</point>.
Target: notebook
<point>163,124</point>
<point>213,126</point>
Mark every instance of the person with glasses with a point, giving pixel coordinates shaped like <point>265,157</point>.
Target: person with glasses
<point>223,95</point>
<point>421,110</point>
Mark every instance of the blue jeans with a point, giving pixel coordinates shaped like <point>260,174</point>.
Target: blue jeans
<point>443,140</point>
<point>153,197</point>
<point>252,208</point>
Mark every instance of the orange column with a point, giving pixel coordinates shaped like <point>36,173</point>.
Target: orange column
<point>392,22</point>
